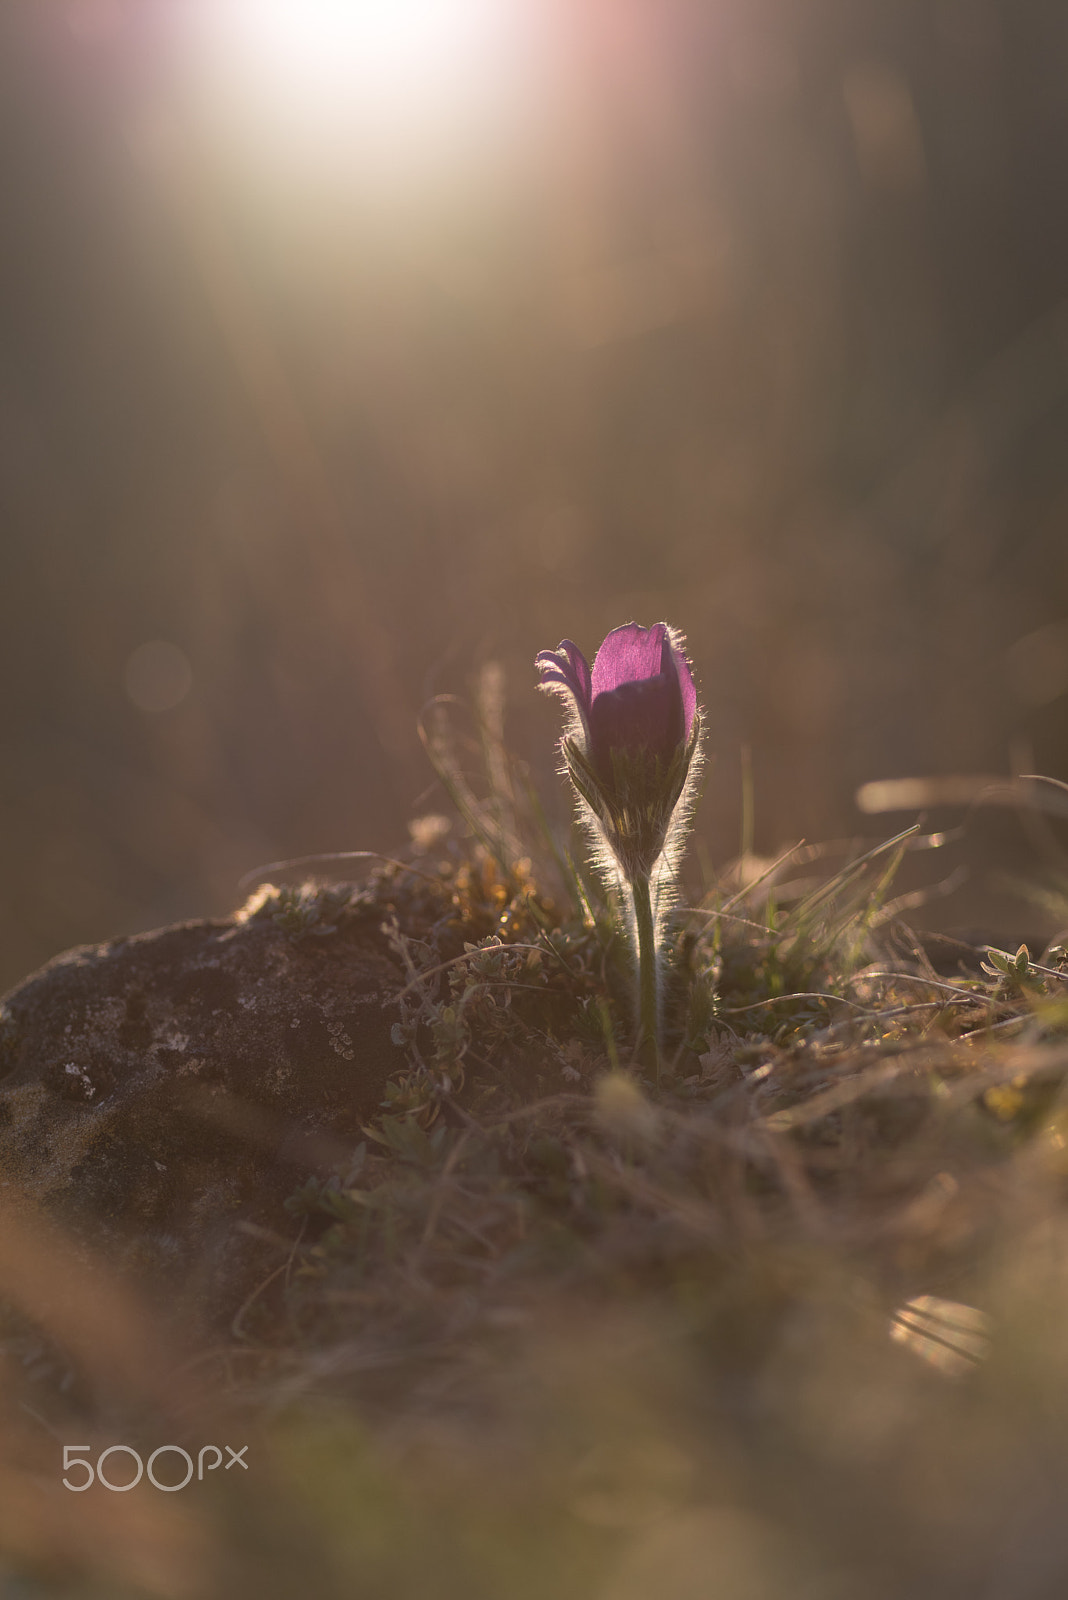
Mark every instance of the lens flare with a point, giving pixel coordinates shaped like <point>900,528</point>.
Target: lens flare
<point>158,676</point>
<point>395,69</point>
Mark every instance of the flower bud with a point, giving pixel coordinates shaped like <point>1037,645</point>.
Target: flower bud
<point>632,736</point>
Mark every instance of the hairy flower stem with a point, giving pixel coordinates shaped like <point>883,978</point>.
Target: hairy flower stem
<point>648,978</point>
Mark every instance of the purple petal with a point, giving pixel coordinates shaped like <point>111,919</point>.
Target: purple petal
<point>628,655</point>
<point>686,684</point>
<point>567,665</point>
<point>644,715</point>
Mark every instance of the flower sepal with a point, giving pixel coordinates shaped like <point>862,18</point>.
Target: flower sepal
<point>637,807</point>
<point>631,748</point>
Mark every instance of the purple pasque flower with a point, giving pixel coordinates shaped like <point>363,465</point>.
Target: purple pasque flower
<point>634,727</point>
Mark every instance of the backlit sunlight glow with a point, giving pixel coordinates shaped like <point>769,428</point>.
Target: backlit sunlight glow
<point>393,69</point>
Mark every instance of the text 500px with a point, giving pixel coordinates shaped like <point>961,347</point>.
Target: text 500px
<point>77,1456</point>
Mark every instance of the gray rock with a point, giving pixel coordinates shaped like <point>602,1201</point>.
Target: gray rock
<point>158,1090</point>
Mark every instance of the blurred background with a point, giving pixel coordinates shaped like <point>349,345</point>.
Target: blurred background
<point>347,347</point>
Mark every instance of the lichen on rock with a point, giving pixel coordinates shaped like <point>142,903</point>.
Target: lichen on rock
<point>156,1087</point>
<point>161,1096</point>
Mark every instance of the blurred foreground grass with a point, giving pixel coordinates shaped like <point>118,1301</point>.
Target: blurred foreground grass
<point>792,1326</point>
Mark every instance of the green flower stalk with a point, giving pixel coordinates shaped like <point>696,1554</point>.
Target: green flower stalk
<point>631,751</point>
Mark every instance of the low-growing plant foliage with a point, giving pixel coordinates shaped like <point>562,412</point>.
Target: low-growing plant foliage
<point>788,1320</point>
